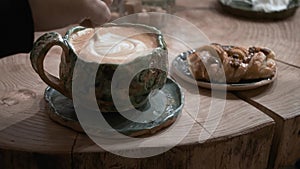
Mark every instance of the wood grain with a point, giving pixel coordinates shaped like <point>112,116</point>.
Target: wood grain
<point>242,140</point>
<point>10,159</point>
<point>228,121</point>
<point>196,4</point>
<point>23,118</point>
<point>236,122</point>
<point>280,36</point>
<point>28,138</point>
<point>87,154</point>
<point>47,137</point>
<point>281,101</point>
<point>243,150</point>
<point>242,137</point>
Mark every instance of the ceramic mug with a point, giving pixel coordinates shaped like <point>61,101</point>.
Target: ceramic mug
<point>126,48</point>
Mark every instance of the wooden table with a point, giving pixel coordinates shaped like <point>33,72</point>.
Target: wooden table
<point>258,129</point>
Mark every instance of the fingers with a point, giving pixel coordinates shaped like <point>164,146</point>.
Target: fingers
<point>102,14</point>
<point>98,12</point>
<point>108,2</point>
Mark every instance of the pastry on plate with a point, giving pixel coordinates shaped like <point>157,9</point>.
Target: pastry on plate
<point>231,64</point>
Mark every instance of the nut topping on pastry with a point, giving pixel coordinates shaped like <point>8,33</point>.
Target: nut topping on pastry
<point>216,62</point>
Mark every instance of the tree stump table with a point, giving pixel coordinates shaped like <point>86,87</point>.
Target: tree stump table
<point>30,140</point>
<point>257,129</point>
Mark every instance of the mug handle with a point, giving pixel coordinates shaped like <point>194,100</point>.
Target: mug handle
<point>38,54</point>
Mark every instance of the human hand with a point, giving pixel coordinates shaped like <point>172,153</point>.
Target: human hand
<point>52,14</point>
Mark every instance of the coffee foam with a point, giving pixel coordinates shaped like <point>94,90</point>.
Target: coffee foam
<point>114,44</point>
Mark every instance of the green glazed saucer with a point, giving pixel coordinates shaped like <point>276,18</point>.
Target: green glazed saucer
<point>245,10</point>
<point>62,111</point>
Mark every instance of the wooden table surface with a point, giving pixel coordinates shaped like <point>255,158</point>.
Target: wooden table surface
<point>257,129</point>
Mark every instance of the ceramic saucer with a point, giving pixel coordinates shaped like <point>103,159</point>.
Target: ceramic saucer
<point>63,112</point>
<point>181,69</point>
<point>239,8</point>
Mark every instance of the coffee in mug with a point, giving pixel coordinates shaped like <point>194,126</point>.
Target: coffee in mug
<point>131,61</point>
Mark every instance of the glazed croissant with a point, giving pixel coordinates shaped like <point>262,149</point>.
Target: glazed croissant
<point>231,64</point>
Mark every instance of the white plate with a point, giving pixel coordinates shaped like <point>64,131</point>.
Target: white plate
<point>180,68</point>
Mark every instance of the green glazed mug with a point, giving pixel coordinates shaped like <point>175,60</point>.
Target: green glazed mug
<point>131,61</point>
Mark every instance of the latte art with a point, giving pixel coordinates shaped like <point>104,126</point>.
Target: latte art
<point>114,45</point>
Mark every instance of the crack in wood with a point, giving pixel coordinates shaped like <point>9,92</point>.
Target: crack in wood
<point>279,122</point>
<point>295,66</point>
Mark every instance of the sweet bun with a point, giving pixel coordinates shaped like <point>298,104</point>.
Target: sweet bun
<point>231,64</point>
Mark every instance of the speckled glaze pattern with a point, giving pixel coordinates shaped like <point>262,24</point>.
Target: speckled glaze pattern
<point>141,85</point>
